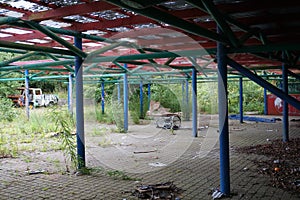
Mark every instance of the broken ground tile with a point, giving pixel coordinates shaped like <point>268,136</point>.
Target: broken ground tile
<point>158,191</point>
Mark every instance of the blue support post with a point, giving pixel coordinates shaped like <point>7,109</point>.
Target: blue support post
<point>223,119</point>
<point>241,100</point>
<point>79,107</point>
<point>27,97</point>
<point>265,102</point>
<point>102,97</point>
<point>285,127</point>
<point>70,94</point>
<point>125,97</point>
<point>194,103</point>
<point>149,95</point>
<point>187,109</point>
<point>141,100</point>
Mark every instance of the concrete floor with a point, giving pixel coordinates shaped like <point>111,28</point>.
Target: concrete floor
<point>191,163</point>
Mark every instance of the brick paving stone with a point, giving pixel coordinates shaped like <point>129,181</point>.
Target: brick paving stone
<point>196,176</point>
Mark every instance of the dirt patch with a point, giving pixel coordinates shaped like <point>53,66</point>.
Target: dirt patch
<point>282,164</point>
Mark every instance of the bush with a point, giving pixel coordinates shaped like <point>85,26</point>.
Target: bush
<point>8,113</point>
<point>134,106</point>
<point>166,97</point>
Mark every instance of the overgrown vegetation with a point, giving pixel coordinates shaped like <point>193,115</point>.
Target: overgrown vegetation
<point>21,134</point>
<point>65,127</point>
<point>134,106</point>
<point>168,95</point>
<point>7,114</point>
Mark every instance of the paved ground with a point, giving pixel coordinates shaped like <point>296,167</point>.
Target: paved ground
<point>191,163</point>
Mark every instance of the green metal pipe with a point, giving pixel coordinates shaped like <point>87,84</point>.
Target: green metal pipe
<point>36,74</point>
<point>11,79</point>
<point>105,49</point>
<point>66,32</point>
<point>57,59</point>
<point>37,65</point>
<point>161,16</point>
<point>27,55</point>
<point>8,50</point>
<point>34,48</point>
<point>50,77</point>
<point>195,52</point>
<point>58,39</point>
<point>7,20</point>
<point>219,18</point>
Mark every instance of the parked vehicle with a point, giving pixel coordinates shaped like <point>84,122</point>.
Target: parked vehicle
<point>36,98</point>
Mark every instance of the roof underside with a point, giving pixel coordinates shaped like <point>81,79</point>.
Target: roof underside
<point>143,33</point>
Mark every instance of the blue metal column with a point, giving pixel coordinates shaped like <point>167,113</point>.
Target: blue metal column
<point>285,127</point>
<point>223,119</point>
<point>79,107</point>
<point>241,101</point>
<point>125,97</point>
<point>187,109</point>
<point>102,97</point>
<point>265,102</point>
<point>70,94</point>
<point>149,95</point>
<point>141,99</point>
<point>27,94</point>
<point>194,103</point>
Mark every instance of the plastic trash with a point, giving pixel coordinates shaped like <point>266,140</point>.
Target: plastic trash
<point>217,194</point>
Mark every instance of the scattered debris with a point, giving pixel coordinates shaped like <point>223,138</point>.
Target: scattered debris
<point>158,191</point>
<point>238,129</point>
<point>245,169</point>
<point>255,119</point>
<point>295,120</point>
<point>150,151</point>
<point>32,172</point>
<point>217,194</point>
<point>157,164</point>
<point>282,162</point>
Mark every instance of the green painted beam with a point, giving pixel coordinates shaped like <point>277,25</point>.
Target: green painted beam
<point>196,52</point>
<point>102,50</point>
<point>65,32</point>
<point>39,66</point>
<point>219,18</point>
<point>9,50</point>
<point>58,39</point>
<point>50,77</point>
<point>34,48</point>
<point>253,31</point>
<point>11,79</point>
<point>142,74</point>
<point>121,67</point>
<point>70,68</point>
<point>7,20</point>
<point>36,74</point>
<point>4,74</point>
<point>161,16</point>
<point>27,55</point>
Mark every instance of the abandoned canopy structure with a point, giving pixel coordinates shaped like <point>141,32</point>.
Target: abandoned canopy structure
<point>156,40</point>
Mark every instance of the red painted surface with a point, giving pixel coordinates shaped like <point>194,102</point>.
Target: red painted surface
<point>275,105</point>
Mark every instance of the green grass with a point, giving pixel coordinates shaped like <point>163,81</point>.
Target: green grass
<point>23,135</point>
